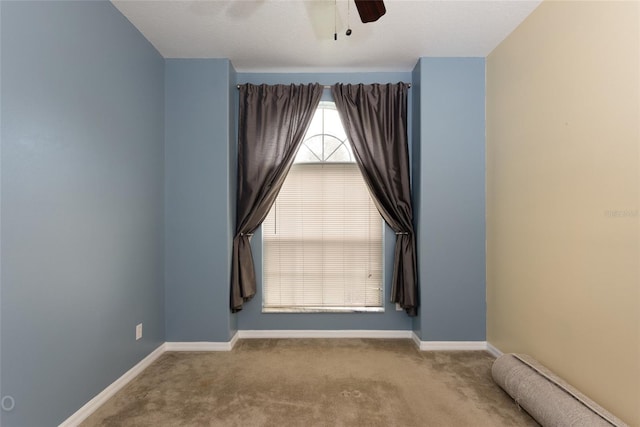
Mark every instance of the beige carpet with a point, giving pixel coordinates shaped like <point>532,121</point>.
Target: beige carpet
<point>314,382</point>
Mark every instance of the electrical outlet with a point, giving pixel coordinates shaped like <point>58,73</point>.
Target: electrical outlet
<point>138,331</point>
<point>398,308</point>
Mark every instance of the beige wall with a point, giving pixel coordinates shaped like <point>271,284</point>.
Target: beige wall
<point>563,114</point>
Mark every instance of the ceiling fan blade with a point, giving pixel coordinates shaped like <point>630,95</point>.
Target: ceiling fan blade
<point>370,10</point>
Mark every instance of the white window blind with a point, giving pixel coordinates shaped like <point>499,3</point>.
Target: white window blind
<point>322,239</point>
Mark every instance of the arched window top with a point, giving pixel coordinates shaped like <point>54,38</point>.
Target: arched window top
<point>325,140</point>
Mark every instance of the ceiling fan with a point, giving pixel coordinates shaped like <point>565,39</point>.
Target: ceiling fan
<point>370,10</point>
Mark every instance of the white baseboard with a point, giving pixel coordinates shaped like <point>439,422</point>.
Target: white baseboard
<point>453,345</point>
<point>202,345</point>
<point>81,414</point>
<point>495,351</point>
<point>197,346</point>
<point>449,345</point>
<point>416,339</point>
<point>234,339</point>
<point>350,333</point>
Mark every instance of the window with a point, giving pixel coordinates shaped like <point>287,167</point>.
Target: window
<point>322,238</point>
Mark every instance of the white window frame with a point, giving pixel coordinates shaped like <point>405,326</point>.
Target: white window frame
<point>329,309</point>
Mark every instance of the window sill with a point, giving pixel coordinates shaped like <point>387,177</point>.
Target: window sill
<point>323,309</point>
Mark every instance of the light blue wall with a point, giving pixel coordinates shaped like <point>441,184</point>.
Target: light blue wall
<point>82,204</point>
<point>232,175</point>
<point>251,317</point>
<point>198,122</point>
<point>451,207</point>
<point>416,174</point>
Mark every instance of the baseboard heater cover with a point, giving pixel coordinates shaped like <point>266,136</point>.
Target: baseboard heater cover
<point>546,397</point>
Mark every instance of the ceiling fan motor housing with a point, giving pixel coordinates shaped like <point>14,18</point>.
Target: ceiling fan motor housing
<point>370,10</point>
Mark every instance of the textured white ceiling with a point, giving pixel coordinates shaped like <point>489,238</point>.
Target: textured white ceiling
<point>297,35</point>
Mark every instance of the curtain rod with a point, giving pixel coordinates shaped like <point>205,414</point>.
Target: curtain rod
<point>329,86</point>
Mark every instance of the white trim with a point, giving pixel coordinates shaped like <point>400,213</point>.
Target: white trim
<point>350,333</point>
<point>453,346</point>
<point>201,345</point>
<point>495,351</point>
<point>416,339</point>
<point>234,339</point>
<point>81,414</point>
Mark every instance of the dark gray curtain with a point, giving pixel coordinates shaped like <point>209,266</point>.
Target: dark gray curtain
<point>271,124</point>
<point>375,119</point>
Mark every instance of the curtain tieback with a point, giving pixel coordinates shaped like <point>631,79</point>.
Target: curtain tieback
<point>246,234</point>
<point>402,233</point>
